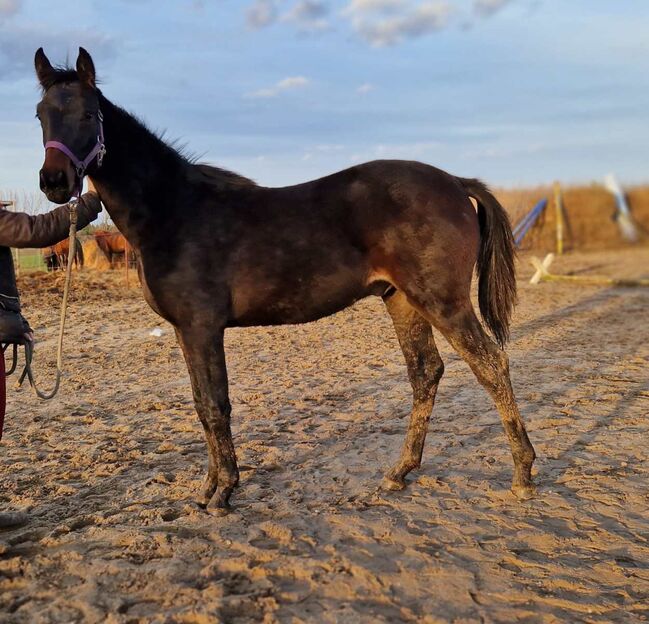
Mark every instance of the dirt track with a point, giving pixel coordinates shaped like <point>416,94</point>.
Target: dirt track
<point>109,472</point>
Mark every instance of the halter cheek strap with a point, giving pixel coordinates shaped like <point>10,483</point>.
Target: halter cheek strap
<point>98,151</point>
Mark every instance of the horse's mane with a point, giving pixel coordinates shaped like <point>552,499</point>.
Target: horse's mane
<point>61,74</point>
<point>214,175</point>
<point>218,177</point>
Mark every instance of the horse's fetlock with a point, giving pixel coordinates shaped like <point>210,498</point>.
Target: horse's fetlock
<point>229,480</point>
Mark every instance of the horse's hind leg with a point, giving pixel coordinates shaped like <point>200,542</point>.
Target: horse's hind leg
<point>490,365</point>
<point>425,369</point>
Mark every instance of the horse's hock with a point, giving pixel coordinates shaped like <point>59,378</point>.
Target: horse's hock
<point>95,258</point>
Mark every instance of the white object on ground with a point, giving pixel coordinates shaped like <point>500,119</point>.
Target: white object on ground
<point>157,332</point>
<point>543,274</point>
<point>541,267</point>
<point>623,215</point>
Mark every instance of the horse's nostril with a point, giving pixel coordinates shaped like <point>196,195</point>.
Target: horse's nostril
<point>52,179</point>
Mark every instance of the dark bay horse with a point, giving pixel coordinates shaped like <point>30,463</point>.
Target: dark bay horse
<point>218,251</point>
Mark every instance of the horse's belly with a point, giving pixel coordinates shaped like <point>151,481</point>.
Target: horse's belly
<point>296,301</point>
<point>155,303</point>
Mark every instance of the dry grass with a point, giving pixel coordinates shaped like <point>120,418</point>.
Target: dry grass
<point>589,212</point>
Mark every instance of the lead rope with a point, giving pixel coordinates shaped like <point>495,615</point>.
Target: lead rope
<point>29,347</point>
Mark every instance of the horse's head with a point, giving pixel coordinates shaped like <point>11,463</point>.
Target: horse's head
<point>71,121</point>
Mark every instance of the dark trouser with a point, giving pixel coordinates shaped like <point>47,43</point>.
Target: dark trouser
<point>12,324</point>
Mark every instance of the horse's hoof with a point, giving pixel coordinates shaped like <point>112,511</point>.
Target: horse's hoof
<point>223,499</point>
<point>393,485</point>
<point>524,492</point>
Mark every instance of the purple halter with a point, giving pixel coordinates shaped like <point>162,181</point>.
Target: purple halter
<point>98,151</point>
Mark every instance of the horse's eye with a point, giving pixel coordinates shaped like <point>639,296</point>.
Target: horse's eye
<point>88,115</point>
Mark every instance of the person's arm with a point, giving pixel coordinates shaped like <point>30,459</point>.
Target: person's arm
<point>18,229</point>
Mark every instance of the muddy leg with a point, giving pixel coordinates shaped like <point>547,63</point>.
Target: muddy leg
<point>425,369</point>
<point>206,364</point>
<point>491,366</point>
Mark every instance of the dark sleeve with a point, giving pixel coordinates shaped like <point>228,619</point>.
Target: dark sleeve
<point>18,229</point>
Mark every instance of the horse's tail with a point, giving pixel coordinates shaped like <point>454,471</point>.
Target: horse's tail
<point>49,257</point>
<point>78,252</point>
<point>495,265</point>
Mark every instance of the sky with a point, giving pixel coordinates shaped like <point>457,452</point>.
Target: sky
<point>516,92</point>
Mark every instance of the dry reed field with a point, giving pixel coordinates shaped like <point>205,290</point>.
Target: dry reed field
<point>589,215</point>
<point>109,472</point>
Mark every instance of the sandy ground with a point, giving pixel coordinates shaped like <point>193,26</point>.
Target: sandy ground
<point>109,471</point>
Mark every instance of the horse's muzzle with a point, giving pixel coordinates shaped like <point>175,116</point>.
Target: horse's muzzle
<point>56,185</point>
<point>57,177</point>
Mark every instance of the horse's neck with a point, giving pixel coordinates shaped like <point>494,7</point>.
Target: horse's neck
<point>139,176</point>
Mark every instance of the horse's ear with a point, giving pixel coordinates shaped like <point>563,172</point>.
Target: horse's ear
<point>44,69</point>
<point>86,68</point>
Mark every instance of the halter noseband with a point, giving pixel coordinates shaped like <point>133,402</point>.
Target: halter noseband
<point>98,151</point>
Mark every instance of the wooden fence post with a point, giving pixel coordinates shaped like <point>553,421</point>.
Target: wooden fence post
<point>127,250</point>
<point>558,205</point>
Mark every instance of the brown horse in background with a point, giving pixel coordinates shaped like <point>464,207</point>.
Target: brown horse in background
<point>115,247</point>
<point>56,256</point>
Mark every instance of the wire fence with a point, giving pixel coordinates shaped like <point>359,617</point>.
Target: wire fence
<point>28,260</point>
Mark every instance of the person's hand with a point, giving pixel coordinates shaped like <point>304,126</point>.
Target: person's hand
<point>29,332</point>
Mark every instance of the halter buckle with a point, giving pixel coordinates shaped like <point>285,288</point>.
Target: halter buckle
<point>100,154</point>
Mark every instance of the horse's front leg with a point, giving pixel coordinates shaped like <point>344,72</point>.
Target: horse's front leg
<point>205,359</point>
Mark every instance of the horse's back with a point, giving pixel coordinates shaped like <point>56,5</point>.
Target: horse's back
<point>376,204</point>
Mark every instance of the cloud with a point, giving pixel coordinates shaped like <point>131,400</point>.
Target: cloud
<point>371,6</point>
<point>18,44</point>
<point>287,84</point>
<point>308,10</point>
<point>485,8</point>
<point>377,22</point>
<point>365,88</point>
<point>261,14</point>
<point>308,15</point>
<point>9,8</point>
<point>386,22</point>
